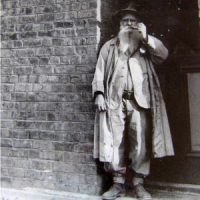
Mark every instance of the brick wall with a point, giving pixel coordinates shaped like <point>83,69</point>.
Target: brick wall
<point>48,59</point>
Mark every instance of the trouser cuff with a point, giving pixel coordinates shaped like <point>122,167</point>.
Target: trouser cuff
<point>118,178</point>
<point>137,180</point>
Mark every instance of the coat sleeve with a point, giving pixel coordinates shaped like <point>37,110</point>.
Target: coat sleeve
<point>158,52</point>
<point>98,80</point>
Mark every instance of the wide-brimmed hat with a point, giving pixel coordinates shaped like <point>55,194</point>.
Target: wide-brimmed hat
<point>130,9</point>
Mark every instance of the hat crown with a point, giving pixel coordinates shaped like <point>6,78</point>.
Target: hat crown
<point>131,6</point>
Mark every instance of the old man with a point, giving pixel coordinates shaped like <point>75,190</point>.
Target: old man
<point>131,115</point>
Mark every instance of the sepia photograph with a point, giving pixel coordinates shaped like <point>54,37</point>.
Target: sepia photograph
<point>100,100</point>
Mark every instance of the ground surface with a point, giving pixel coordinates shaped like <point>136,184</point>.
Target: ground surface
<point>167,195</point>
<point>35,194</point>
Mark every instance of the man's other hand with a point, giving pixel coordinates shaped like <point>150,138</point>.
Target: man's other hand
<point>100,103</point>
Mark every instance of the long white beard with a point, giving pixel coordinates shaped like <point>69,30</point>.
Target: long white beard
<point>129,40</point>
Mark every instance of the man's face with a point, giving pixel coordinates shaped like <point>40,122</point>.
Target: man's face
<point>129,35</point>
<point>128,21</point>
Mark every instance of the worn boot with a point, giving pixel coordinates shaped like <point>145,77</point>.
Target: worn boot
<point>141,193</point>
<point>116,190</point>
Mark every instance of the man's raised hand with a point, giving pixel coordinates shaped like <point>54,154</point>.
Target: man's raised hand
<point>143,30</point>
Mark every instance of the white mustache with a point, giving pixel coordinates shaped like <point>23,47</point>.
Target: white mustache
<point>129,28</point>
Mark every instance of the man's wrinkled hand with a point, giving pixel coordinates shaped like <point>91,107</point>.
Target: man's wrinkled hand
<point>100,103</point>
<point>143,30</point>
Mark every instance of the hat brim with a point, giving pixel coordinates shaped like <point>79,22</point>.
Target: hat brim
<point>119,14</point>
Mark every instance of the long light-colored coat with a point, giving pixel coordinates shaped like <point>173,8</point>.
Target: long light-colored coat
<point>103,137</point>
